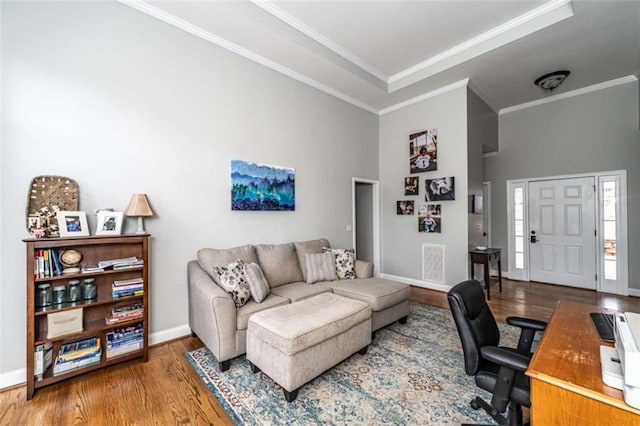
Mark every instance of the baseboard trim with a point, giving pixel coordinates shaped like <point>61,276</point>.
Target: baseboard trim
<point>417,283</point>
<point>635,292</point>
<point>18,377</point>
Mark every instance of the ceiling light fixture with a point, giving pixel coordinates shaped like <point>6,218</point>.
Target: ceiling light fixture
<point>552,80</point>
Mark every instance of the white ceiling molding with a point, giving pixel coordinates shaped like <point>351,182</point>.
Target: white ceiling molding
<point>237,49</point>
<point>570,94</point>
<point>274,10</point>
<point>428,95</point>
<point>524,25</point>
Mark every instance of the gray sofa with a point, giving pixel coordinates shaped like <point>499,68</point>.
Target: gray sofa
<point>222,327</point>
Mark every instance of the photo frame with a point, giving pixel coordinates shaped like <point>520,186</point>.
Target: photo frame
<point>72,223</point>
<point>440,189</point>
<point>109,223</point>
<point>423,151</point>
<point>404,207</point>
<point>411,185</point>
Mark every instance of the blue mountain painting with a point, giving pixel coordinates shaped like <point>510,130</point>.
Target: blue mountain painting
<point>260,187</point>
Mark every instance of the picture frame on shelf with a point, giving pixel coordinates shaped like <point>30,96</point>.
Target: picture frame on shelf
<point>72,223</point>
<point>109,223</point>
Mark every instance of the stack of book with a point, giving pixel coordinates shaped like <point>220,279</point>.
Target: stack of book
<point>124,313</point>
<point>123,340</point>
<point>131,287</point>
<point>125,263</point>
<point>77,354</point>
<point>47,264</point>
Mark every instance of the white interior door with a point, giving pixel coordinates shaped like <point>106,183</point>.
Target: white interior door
<point>562,241</point>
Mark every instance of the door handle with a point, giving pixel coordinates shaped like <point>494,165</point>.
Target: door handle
<point>533,238</point>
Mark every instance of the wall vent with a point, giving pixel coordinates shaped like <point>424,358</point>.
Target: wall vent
<point>433,263</point>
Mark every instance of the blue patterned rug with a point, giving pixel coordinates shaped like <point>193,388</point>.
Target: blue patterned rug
<point>412,374</point>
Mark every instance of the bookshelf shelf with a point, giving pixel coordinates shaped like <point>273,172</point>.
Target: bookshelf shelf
<point>94,325</point>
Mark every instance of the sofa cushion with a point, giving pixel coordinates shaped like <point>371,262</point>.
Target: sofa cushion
<point>257,281</point>
<point>279,263</point>
<point>320,318</point>
<point>233,280</point>
<point>208,258</point>
<point>379,293</point>
<point>311,247</point>
<point>345,262</point>
<point>298,291</point>
<point>251,307</point>
<point>320,267</point>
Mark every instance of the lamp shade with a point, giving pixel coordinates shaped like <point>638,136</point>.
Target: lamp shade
<point>139,206</point>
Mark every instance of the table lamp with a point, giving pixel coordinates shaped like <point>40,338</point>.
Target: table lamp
<point>139,206</point>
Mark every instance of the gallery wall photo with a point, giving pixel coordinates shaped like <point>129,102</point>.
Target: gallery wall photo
<point>404,207</point>
<point>261,187</point>
<point>423,151</point>
<point>440,189</point>
<point>430,218</point>
<point>411,185</point>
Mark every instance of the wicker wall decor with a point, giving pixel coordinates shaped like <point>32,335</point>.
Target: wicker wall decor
<point>48,194</point>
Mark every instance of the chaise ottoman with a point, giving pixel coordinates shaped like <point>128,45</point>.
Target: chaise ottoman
<point>295,343</point>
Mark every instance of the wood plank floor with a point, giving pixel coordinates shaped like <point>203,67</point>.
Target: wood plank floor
<point>166,391</point>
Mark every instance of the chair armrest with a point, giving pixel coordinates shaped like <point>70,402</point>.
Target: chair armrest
<point>527,323</point>
<point>505,357</point>
<point>363,269</point>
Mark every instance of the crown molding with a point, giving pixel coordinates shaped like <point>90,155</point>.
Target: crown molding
<point>280,14</point>
<point>479,93</point>
<point>524,25</point>
<point>239,50</point>
<point>570,94</point>
<point>425,96</point>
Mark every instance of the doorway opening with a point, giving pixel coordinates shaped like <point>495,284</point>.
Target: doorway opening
<point>366,221</point>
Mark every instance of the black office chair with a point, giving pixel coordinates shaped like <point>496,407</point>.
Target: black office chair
<point>497,369</point>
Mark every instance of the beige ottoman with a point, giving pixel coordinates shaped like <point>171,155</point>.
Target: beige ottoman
<point>295,343</point>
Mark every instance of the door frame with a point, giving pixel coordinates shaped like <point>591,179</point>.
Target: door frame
<point>622,255</point>
<point>375,192</point>
<point>486,210</point>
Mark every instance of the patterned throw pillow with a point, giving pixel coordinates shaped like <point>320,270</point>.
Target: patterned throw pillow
<point>345,262</point>
<point>234,282</point>
<point>257,281</point>
<point>320,267</point>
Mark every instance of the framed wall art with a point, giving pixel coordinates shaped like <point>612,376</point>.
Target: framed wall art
<point>430,218</point>
<point>72,224</point>
<point>423,151</point>
<point>411,185</point>
<point>262,187</point>
<point>109,223</point>
<point>440,189</point>
<point>404,207</point>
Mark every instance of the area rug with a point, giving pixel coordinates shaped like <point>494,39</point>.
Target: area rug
<point>412,374</point>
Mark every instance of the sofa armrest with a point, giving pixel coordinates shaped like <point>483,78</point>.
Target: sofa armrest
<point>364,269</point>
<point>212,313</point>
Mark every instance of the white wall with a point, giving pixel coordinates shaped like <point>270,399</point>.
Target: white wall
<point>401,241</point>
<point>124,103</point>
<point>482,133</point>
<point>592,132</point>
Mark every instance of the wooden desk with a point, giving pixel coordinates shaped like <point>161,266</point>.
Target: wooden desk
<point>566,381</point>
<point>485,257</point>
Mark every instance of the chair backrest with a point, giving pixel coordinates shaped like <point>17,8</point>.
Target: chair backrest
<point>475,322</point>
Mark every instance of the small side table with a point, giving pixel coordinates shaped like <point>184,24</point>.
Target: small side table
<point>485,257</point>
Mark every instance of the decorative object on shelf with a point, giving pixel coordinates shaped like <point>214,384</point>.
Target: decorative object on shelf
<point>109,223</point>
<point>72,224</point>
<point>262,187</point>
<point>423,151</point>
<point>411,185</point>
<point>552,80</point>
<point>404,207</point>
<point>70,259</point>
<point>429,218</point>
<point>48,195</point>
<point>440,189</point>
<point>139,207</point>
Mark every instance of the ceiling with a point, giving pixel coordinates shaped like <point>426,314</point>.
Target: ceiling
<point>380,55</point>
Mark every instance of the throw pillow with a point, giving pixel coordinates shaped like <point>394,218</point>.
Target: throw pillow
<point>320,267</point>
<point>258,284</point>
<point>345,262</point>
<point>234,282</point>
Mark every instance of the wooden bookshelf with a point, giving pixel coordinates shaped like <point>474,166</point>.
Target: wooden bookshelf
<point>93,250</point>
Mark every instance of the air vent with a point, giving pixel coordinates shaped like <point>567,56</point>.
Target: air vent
<point>433,263</point>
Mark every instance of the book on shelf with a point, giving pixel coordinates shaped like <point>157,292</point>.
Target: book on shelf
<point>124,349</point>
<point>82,348</point>
<point>91,268</point>
<point>47,263</point>
<point>66,366</point>
<point>56,262</point>
<point>124,313</point>
<point>127,262</point>
<point>43,358</point>
<point>119,283</point>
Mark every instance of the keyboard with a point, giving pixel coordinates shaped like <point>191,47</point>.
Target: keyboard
<point>604,325</point>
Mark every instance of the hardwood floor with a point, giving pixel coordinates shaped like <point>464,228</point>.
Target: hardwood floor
<point>166,391</point>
